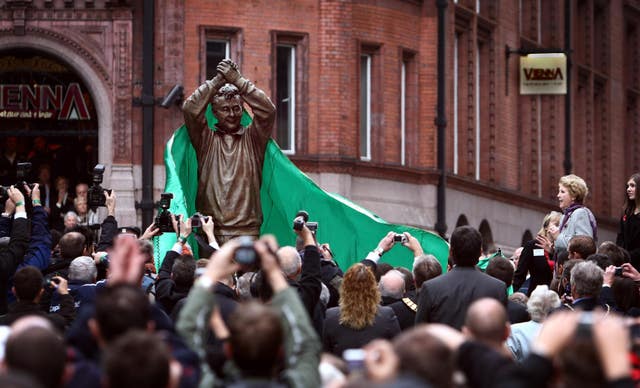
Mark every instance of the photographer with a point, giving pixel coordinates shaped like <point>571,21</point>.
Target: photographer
<point>175,276</point>
<point>257,333</point>
<point>109,226</point>
<point>12,254</point>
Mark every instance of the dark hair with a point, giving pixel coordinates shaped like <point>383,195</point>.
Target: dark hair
<point>601,261</point>
<point>582,245</point>
<point>256,337</point>
<point>626,294</point>
<point>71,245</point>
<point>618,255</point>
<point>425,267</point>
<point>501,269</point>
<point>28,283</point>
<point>137,359</point>
<point>466,246</point>
<point>120,308</point>
<point>382,269</point>
<point>629,205</point>
<point>425,356</point>
<point>183,270</point>
<point>39,353</point>
<point>409,283</point>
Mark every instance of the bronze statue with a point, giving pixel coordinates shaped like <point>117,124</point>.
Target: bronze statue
<point>230,158</point>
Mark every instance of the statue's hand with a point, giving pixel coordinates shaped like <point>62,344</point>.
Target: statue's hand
<point>229,70</point>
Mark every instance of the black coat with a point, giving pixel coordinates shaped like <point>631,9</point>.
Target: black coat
<point>337,338</point>
<point>535,265</point>
<point>445,299</point>
<point>12,255</point>
<point>629,237</point>
<point>405,310</point>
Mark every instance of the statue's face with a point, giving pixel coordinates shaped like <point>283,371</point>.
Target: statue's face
<point>228,112</point>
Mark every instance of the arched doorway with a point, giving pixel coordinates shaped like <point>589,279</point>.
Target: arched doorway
<point>462,220</point>
<point>48,117</point>
<point>487,237</point>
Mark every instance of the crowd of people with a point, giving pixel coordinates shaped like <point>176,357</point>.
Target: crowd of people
<point>82,306</point>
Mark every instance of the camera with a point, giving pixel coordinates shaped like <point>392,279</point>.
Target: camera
<point>618,271</point>
<point>22,173</point>
<point>245,254</point>
<point>95,195</point>
<point>302,218</point>
<point>399,238</point>
<point>163,219</point>
<point>354,359</point>
<point>46,282</point>
<point>197,220</point>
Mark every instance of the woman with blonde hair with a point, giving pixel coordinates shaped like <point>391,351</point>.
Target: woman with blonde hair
<point>359,317</point>
<point>535,258</point>
<point>577,219</point>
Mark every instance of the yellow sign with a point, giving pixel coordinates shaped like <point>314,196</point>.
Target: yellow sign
<point>543,74</point>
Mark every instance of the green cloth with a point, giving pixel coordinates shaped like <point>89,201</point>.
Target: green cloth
<point>351,230</point>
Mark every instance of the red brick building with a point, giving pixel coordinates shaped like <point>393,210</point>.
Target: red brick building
<point>354,82</point>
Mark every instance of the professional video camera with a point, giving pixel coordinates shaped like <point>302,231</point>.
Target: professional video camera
<point>302,218</point>
<point>95,196</point>
<point>22,173</point>
<point>163,219</point>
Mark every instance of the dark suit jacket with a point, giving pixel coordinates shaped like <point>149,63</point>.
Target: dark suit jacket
<point>445,299</point>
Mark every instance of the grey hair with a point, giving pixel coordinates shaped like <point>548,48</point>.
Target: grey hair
<point>71,214</point>
<point>424,257</point>
<point>587,279</point>
<point>541,302</point>
<point>290,260</point>
<point>324,294</point>
<point>397,293</point>
<point>243,288</point>
<point>83,269</point>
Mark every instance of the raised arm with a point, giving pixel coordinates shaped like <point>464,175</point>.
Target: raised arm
<point>264,112</point>
<point>195,106</point>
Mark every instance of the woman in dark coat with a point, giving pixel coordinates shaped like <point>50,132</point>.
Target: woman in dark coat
<point>359,317</point>
<point>629,234</point>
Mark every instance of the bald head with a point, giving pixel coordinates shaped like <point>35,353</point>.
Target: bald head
<point>487,321</point>
<point>290,261</point>
<point>392,284</point>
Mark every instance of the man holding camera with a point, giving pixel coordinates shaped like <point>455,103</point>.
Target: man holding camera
<point>230,157</point>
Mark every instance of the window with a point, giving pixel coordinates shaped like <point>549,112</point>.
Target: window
<point>365,107</point>
<point>217,50</point>
<point>217,44</point>
<point>455,103</point>
<point>403,109</point>
<point>286,97</point>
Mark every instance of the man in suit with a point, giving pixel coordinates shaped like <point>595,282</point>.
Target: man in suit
<point>445,299</point>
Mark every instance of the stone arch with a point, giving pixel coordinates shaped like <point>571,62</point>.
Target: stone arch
<point>86,69</point>
<point>487,237</point>
<point>526,237</point>
<point>462,220</point>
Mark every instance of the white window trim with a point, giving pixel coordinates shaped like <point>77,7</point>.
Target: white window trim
<point>403,110</point>
<point>455,104</point>
<point>292,103</point>
<point>477,112</point>
<point>367,107</point>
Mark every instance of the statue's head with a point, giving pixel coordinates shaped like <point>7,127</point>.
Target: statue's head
<point>227,107</point>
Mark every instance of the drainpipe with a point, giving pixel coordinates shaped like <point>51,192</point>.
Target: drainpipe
<point>567,97</point>
<point>441,121</point>
<point>148,103</point>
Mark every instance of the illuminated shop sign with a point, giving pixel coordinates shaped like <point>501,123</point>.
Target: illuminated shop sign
<point>543,74</point>
<point>57,102</point>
